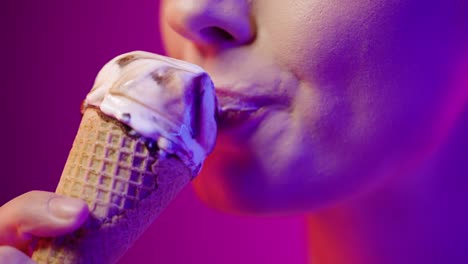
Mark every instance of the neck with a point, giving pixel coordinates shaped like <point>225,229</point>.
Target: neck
<point>423,220</point>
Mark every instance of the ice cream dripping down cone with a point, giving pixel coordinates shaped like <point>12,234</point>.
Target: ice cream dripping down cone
<point>147,126</point>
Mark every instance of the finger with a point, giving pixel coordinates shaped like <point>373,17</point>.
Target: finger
<point>41,214</point>
<point>11,255</point>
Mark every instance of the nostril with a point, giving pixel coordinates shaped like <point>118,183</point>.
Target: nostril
<point>216,35</point>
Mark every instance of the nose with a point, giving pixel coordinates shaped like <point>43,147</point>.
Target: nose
<point>214,23</point>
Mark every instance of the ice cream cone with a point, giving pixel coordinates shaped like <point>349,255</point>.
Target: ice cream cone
<point>148,124</point>
<point>126,185</point>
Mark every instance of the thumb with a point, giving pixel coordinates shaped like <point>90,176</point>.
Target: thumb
<point>12,255</point>
<point>39,214</point>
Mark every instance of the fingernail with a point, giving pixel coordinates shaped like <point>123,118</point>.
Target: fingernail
<point>65,208</point>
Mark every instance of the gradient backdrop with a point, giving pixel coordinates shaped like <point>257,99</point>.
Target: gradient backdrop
<point>51,53</point>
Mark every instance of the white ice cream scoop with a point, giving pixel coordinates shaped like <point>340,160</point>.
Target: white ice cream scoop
<point>169,101</point>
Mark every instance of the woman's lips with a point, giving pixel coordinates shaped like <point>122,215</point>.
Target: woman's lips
<point>237,110</point>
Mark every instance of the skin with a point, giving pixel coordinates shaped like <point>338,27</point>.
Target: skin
<point>353,111</point>
<point>367,131</point>
<point>348,78</point>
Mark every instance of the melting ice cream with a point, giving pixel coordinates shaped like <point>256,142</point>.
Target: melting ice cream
<point>169,101</point>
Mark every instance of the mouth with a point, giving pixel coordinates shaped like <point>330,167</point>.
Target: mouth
<point>237,110</point>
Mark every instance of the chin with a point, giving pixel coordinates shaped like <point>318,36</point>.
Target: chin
<point>232,182</point>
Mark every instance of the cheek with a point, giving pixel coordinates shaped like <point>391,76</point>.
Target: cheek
<point>321,37</point>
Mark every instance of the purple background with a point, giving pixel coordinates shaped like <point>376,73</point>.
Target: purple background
<point>52,51</point>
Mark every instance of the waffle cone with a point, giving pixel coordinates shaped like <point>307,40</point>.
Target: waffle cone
<point>125,185</point>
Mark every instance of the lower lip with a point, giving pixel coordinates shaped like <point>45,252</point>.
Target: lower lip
<point>238,119</point>
<point>243,113</point>
<point>232,118</point>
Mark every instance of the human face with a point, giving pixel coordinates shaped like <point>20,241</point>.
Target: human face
<point>318,99</point>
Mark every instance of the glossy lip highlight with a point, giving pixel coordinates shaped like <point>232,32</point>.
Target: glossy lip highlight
<point>236,109</point>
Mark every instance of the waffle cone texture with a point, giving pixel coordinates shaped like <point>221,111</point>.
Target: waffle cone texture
<point>125,184</point>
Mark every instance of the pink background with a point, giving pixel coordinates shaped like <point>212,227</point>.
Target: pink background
<point>51,52</point>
